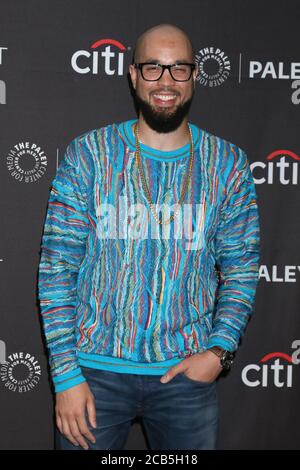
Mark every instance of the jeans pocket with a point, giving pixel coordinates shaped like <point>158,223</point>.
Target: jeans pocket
<point>197,382</point>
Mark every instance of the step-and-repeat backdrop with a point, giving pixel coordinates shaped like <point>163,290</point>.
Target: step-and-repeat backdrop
<point>63,71</point>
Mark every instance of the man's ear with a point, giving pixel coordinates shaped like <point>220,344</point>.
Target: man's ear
<point>132,72</point>
<point>196,73</point>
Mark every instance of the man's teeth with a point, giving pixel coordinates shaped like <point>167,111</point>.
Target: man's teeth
<point>165,97</point>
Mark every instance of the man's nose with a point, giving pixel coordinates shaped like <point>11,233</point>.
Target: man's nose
<point>166,77</point>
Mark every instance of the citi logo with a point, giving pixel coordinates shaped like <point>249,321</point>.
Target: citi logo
<point>275,369</point>
<point>280,165</point>
<point>104,55</point>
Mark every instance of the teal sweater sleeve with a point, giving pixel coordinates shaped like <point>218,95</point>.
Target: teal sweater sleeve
<point>62,250</point>
<point>237,253</point>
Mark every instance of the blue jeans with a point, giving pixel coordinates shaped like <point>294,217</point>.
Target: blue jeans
<point>181,414</point>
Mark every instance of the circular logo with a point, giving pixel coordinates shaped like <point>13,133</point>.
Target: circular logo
<point>213,66</point>
<point>21,372</point>
<point>26,162</point>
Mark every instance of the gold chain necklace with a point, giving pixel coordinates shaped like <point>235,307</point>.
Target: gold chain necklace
<point>143,178</point>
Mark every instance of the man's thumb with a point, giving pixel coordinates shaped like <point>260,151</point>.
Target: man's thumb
<point>169,375</point>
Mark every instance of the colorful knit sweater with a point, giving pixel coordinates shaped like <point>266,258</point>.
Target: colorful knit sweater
<point>120,292</point>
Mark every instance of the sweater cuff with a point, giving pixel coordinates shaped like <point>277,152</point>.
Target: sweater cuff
<point>220,341</point>
<point>69,379</point>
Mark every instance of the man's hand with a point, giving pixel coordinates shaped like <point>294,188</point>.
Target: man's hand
<point>70,409</point>
<point>204,367</point>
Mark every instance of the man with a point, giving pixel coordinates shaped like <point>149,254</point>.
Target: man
<point>149,265</point>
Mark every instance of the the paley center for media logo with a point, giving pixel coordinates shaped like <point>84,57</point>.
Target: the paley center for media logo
<point>26,162</point>
<point>20,371</point>
<point>213,66</point>
<point>104,56</point>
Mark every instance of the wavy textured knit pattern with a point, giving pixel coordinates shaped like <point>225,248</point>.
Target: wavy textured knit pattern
<point>140,304</point>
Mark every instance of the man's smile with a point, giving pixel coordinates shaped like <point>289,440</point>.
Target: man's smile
<point>164,99</point>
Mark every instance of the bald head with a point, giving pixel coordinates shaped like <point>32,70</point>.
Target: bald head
<point>163,35</point>
<point>163,101</point>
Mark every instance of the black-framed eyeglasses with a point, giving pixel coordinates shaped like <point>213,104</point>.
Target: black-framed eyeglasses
<point>151,71</point>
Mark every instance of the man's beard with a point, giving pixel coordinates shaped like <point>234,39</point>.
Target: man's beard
<point>162,121</point>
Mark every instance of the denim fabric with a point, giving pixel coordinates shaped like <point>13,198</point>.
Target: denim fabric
<point>181,414</point>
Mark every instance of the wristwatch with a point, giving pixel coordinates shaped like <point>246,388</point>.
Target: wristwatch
<point>226,357</point>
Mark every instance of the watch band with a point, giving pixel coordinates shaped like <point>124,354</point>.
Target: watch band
<point>217,350</point>
<point>226,357</point>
